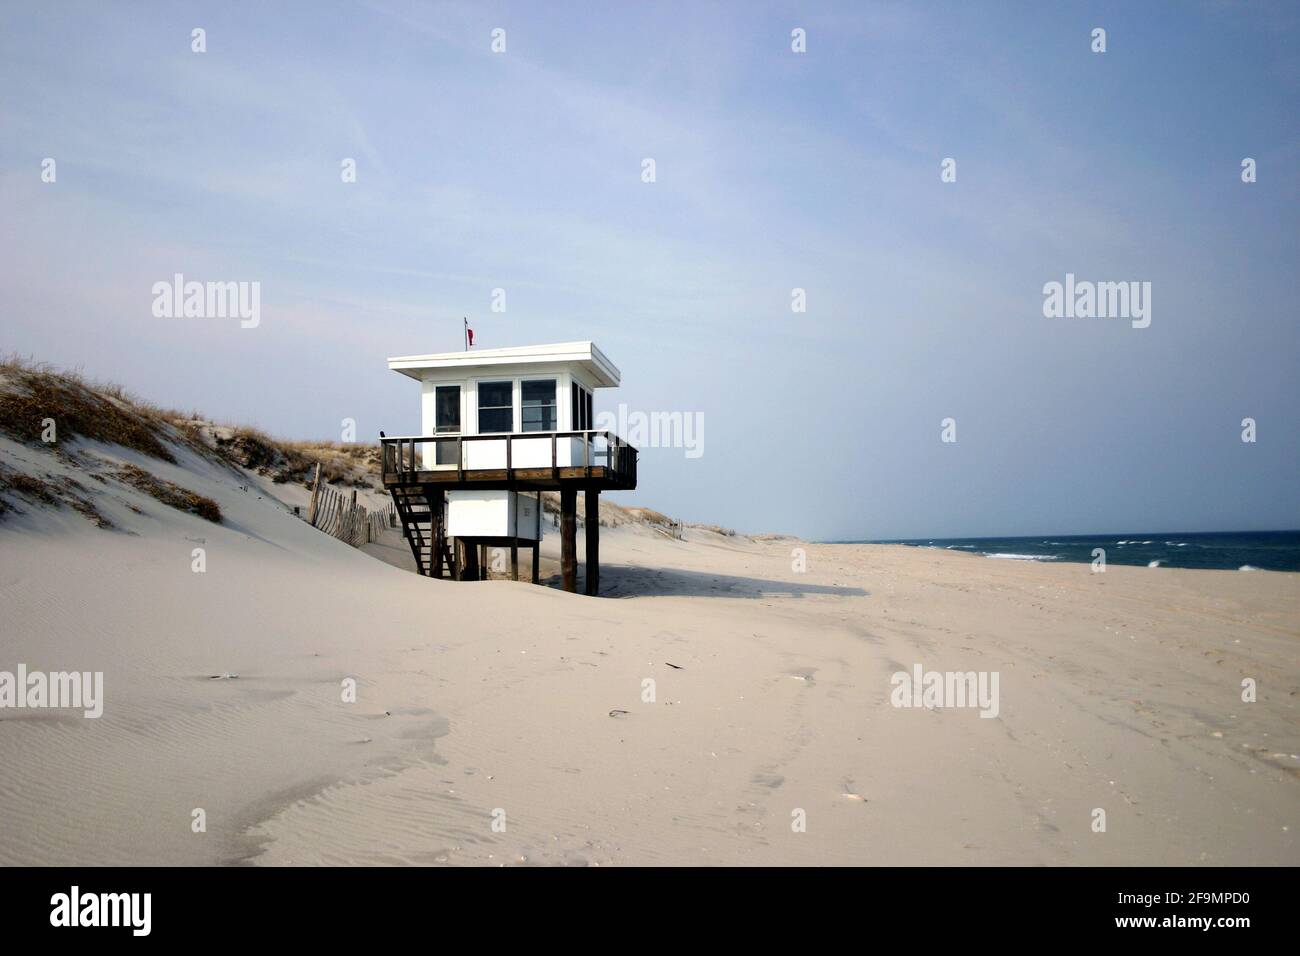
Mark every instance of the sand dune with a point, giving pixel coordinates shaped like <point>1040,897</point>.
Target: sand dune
<point>1118,691</point>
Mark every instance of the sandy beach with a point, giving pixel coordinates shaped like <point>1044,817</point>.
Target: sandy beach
<point>503,703</point>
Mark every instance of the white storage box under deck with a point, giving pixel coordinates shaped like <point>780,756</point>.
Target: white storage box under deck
<point>493,514</point>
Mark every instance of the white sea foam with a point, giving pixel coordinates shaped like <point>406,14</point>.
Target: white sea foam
<point>1248,567</point>
<point>1154,564</point>
<point>1022,557</point>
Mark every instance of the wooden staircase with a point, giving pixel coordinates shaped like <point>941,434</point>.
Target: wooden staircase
<point>423,514</point>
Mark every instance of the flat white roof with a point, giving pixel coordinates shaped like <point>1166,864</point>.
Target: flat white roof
<point>586,354</point>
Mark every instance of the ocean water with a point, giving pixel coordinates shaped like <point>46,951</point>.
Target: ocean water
<point>1224,550</point>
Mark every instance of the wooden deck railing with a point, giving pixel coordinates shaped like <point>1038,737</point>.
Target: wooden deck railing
<point>405,456</point>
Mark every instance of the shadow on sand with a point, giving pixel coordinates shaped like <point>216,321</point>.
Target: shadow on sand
<point>621,580</point>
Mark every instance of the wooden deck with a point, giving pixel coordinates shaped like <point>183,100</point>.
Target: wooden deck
<point>419,493</point>
<point>519,479</point>
<point>609,463</point>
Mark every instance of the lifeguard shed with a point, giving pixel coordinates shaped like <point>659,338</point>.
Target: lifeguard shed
<point>498,427</point>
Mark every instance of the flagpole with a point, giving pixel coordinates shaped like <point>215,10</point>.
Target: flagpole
<point>465,322</point>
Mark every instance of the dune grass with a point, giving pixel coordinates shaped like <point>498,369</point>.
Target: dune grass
<point>48,492</point>
<point>169,493</point>
<point>34,394</point>
<point>355,465</point>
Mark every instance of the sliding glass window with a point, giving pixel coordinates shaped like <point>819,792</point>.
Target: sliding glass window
<point>538,405</point>
<point>496,407</point>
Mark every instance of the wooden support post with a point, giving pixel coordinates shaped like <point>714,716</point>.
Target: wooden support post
<point>469,569</point>
<point>592,499</point>
<point>568,539</point>
<point>514,559</point>
<point>482,562</point>
<point>537,541</point>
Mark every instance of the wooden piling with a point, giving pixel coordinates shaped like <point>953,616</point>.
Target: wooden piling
<point>469,562</point>
<point>591,498</point>
<point>315,497</point>
<point>568,538</point>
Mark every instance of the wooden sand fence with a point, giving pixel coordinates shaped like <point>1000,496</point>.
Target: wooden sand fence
<point>673,529</point>
<point>338,514</point>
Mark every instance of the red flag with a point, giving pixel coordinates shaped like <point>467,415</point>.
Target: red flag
<point>470,333</point>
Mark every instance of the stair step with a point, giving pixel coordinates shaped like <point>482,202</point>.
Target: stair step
<point>422,524</point>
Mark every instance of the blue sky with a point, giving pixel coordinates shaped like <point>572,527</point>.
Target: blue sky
<point>775,170</point>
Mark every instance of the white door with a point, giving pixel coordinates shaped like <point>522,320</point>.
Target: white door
<point>446,424</point>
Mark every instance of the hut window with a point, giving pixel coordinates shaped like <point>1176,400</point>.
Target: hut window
<point>496,407</point>
<point>538,402</point>
<point>581,408</point>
